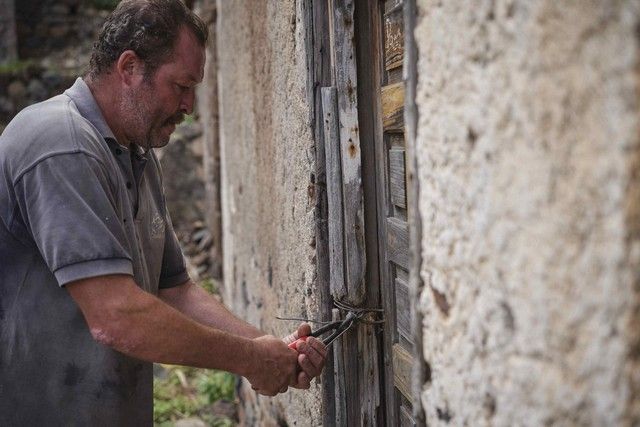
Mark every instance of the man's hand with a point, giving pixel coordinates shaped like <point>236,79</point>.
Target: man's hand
<point>312,355</point>
<point>275,366</point>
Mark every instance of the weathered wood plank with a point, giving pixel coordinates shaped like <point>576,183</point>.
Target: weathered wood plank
<point>353,380</point>
<point>396,140</point>
<point>385,211</point>
<point>334,193</point>
<point>406,420</point>
<point>339,375</point>
<point>345,78</point>
<point>397,177</point>
<point>393,39</point>
<point>403,309</point>
<point>316,45</point>
<point>393,107</point>
<point>402,366</point>
<point>391,5</point>
<point>398,242</point>
<point>421,369</point>
<point>367,398</point>
<point>370,378</point>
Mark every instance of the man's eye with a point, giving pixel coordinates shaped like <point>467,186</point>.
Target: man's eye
<point>182,88</point>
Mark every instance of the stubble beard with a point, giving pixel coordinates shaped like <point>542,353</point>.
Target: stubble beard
<point>139,119</point>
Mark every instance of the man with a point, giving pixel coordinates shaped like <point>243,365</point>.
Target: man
<point>93,285</point>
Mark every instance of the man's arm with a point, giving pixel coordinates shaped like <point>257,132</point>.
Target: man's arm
<point>198,304</point>
<point>134,322</point>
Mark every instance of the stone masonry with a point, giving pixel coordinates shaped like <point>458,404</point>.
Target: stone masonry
<point>8,42</point>
<point>267,159</point>
<point>528,150</point>
<point>528,155</point>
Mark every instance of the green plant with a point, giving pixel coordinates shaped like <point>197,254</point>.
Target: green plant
<point>187,392</point>
<point>14,67</point>
<point>217,385</point>
<point>219,422</point>
<point>173,398</point>
<point>209,285</point>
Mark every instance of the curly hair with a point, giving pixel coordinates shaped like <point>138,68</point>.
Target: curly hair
<point>150,28</point>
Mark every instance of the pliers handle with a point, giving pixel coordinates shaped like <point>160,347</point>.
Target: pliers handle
<point>338,327</point>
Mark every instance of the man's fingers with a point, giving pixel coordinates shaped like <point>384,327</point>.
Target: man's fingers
<point>290,338</point>
<point>307,367</point>
<point>318,346</point>
<point>304,382</point>
<point>316,354</point>
<point>303,330</point>
<point>271,393</point>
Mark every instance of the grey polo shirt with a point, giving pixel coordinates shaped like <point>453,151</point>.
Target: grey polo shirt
<point>74,204</point>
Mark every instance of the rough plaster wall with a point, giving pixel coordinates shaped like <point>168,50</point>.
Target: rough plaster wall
<point>528,162</point>
<point>268,200</point>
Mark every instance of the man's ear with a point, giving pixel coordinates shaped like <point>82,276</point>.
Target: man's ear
<point>130,68</point>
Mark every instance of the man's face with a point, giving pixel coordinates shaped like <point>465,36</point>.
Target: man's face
<point>152,109</point>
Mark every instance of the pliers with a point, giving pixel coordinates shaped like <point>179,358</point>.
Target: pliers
<point>338,327</point>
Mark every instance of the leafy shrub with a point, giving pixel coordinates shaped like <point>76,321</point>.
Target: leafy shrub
<point>217,385</point>
<point>14,67</point>
<point>188,392</point>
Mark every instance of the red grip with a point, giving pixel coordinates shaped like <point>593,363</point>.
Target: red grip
<point>294,345</point>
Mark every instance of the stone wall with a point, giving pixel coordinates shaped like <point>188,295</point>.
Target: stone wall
<point>207,110</point>
<point>267,164</point>
<point>47,25</point>
<point>528,150</point>
<point>52,48</point>
<point>8,45</point>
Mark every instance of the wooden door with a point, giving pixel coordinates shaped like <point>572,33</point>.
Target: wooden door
<point>374,364</point>
<point>393,226</point>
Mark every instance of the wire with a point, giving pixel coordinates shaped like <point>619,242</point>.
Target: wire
<point>300,319</point>
<point>345,306</point>
<point>360,311</point>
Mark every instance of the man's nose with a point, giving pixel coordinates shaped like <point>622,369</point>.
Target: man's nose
<point>187,101</point>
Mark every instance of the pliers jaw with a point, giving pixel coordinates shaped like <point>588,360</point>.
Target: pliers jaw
<point>338,327</point>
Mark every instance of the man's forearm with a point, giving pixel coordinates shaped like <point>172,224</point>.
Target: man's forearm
<point>142,326</point>
<point>199,305</point>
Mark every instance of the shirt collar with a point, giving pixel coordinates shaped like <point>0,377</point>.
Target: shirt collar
<point>88,107</point>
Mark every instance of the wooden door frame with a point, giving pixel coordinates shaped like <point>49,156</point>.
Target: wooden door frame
<point>369,47</point>
<point>421,370</point>
<point>367,25</point>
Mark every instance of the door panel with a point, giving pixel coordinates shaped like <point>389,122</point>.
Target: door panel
<point>392,220</point>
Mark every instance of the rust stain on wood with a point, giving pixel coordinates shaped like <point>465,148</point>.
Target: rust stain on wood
<point>353,151</point>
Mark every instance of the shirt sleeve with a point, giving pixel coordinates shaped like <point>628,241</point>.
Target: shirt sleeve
<point>174,270</point>
<point>68,204</point>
